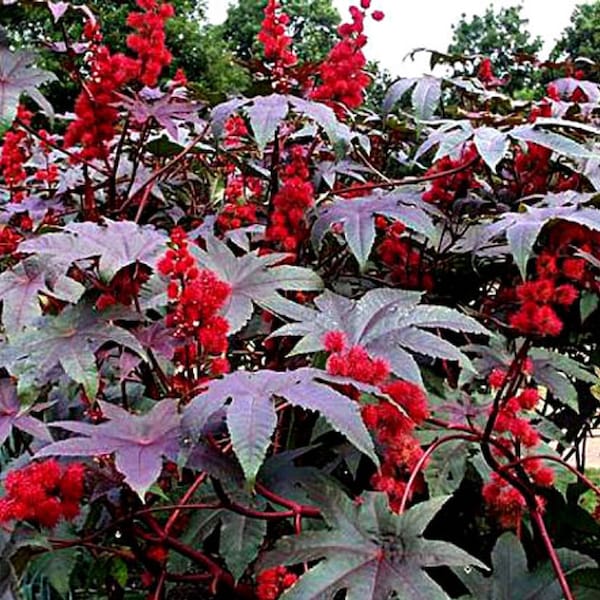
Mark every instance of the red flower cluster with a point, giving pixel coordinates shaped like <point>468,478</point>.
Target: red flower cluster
<point>124,287</point>
<point>574,95</point>
<point>148,41</point>
<point>15,153</point>
<point>9,240</point>
<point>505,502</point>
<point>394,432</point>
<point>448,188</point>
<point>533,174</point>
<point>197,296</point>
<point>353,362</point>
<point>277,45</point>
<point>287,226</point>
<point>235,129</point>
<point>270,584</point>
<point>43,493</point>
<point>240,209</point>
<point>557,270</point>
<point>392,427</point>
<point>514,431</point>
<point>96,114</point>
<point>399,254</point>
<point>485,74</point>
<point>343,81</point>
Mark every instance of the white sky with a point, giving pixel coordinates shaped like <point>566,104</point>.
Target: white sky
<point>427,23</point>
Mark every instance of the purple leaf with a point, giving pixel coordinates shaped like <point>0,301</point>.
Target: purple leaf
<point>12,414</point>
<point>396,92</point>
<point>69,340</point>
<point>358,217</point>
<point>20,289</point>
<point>556,142</point>
<point>118,244</point>
<point>426,97</point>
<point>139,442</point>
<point>522,229</point>
<point>19,76</point>
<point>58,9</point>
<point>386,322</point>
<point>266,114</point>
<point>253,279</point>
<point>167,111</point>
<point>251,414</point>
<point>324,116</point>
<point>491,145</point>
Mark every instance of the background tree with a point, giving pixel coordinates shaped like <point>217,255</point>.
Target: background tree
<point>499,35</point>
<point>313,25</point>
<point>197,47</point>
<point>581,39</point>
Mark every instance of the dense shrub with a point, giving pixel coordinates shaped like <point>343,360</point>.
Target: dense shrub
<point>289,347</point>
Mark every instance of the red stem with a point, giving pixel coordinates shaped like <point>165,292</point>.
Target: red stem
<point>426,455</point>
<point>406,180</point>
<point>558,570</point>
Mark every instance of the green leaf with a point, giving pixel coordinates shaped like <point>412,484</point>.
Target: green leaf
<point>367,551</point>
<point>57,567</point>
<point>240,540</point>
<point>511,579</point>
<point>588,304</point>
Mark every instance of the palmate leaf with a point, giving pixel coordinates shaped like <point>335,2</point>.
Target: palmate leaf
<point>169,112</point>
<point>368,552</point>
<point>388,323</point>
<point>511,578</point>
<point>425,98</point>
<point>522,229</point>
<point>69,340</point>
<point>253,279</point>
<point>139,442</point>
<point>20,289</point>
<point>251,417</point>
<point>117,244</point>
<point>491,145</point>
<point>266,113</point>
<point>358,218</point>
<point>12,414</point>
<point>19,76</point>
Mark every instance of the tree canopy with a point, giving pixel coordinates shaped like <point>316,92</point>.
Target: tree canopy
<point>500,36</point>
<point>313,25</point>
<point>581,39</point>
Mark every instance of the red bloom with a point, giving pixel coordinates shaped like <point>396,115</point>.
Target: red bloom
<point>277,45</point>
<point>43,493</point>
<point>196,297</point>
<point>343,80</point>
<point>270,584</point>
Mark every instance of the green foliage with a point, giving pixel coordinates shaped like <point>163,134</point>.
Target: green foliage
<point>312,24</point>
<point>581,39</point>
<point>499,35</point>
